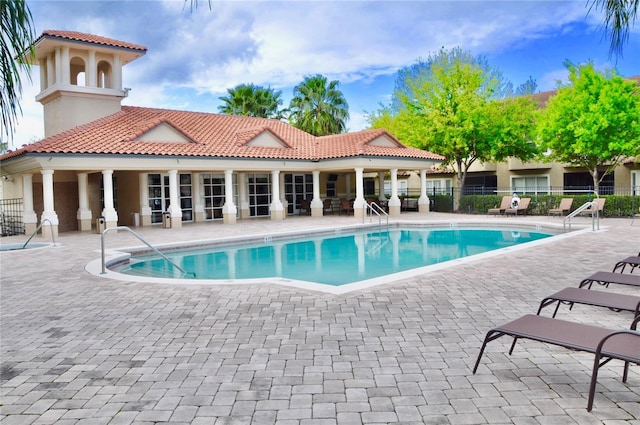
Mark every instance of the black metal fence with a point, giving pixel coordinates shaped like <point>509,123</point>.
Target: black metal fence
<point>620,201</point>
<point>11,217</point>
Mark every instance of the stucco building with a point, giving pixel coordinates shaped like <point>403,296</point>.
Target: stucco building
<point>140,166</point>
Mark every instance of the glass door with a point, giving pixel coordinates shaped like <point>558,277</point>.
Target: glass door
<point>159,196</point>
<point>259,194</point>
<point>297,187</point>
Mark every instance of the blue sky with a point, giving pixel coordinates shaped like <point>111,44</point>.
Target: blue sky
<point>193,57</point>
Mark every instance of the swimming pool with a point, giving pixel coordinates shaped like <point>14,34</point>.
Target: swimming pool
<point>334,259</point>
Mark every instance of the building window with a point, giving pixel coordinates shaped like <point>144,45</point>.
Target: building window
<point>402,188</point>
<point>439,186</point>
<point>635,182</point>
<point>530,185</point>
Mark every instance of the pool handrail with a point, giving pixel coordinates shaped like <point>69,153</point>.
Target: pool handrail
<point>105,231</point>
<point>595,215</point>
<point>53,236</point>
<point>375,209</point>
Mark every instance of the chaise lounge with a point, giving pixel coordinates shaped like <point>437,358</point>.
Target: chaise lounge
<point>522,207</point>
<point>504,204</point>
<point>606,278</point>
<point>563,208</point>
<point>605,344</point>
<point>633,262</point>
<point>611,300</point>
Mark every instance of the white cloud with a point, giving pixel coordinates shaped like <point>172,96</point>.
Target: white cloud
<point>194,56</point>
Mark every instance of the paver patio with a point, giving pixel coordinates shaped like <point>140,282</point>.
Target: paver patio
<point>81,349</point>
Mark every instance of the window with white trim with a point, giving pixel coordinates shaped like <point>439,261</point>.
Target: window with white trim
<point>530,185</point>
<point>635,182</point>
<point>439,186</point>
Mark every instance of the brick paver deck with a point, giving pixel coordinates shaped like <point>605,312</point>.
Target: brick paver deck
<point>81,349</point>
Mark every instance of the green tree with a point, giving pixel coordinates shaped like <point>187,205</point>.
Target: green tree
<point>593,122</point>
<point>16,25</point>
<point>456,106</point>
<point>252,101</point>
<point>619,17</point>
<point>319,107</point>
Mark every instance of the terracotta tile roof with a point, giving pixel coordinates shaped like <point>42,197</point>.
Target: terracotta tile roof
<point>210,135</point>
<point>90,38</point>
<point>542,98</point>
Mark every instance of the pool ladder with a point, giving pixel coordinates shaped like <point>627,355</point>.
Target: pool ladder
<point>105,231</point>
<point>53,236</point>
<point>373,208</point>
<point>595,215</point>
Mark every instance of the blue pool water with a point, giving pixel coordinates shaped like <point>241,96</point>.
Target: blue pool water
<point>334,259</point>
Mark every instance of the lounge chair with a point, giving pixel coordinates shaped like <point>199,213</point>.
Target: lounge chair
<point>606,278</point>
<point>606,344</point>
<point>563,208</point>
<point>632,262</point>
<point>506,203</point>
<point>600,202</point>
<point>612,300</point>
<point>523,206</point>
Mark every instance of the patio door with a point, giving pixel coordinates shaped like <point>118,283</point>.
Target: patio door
<point>297,187</point>
<point>159,197</point>
<point>259,186</point>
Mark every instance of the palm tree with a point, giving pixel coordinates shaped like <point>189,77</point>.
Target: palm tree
<point>252,101</point>
<point>318,107</point>
<point>619,17</point>
<point>16,42</point>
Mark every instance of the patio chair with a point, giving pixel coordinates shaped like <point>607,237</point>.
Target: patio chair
<point>605,344</point>
<point>611,300</point>
<point>523,206</point>
<point>563,208</point>
<point>590,210</point>
<point>327,206</point>
<point>305,207</point>
<point>345,206</point>
<point>632,262</point>
<point>606,278</point>
<point>504,204</point>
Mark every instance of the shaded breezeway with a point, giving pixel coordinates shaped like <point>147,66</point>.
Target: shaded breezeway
<point>80,349</point>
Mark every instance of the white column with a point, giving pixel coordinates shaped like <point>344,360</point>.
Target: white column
<point>174,200</point>
<point>229,210</point>
<point>243,198</point>
<point>109,213</point>
<point>381,195</point>
<point>316,202</point>
<point>83,215</point>
<point>58,67</point>
<point>198,208</point>
<point>276,209</point>
<point>283,198</point>
<point>29,217</point>
<point>394,201</point>
<point>423,201</point>
<point>65,65</point>
<point>116,73</point>
<point>145,209</point>
<point>49,212</point>
<point>91,71</point>
<point>43,73</point>
<point>359,203</point>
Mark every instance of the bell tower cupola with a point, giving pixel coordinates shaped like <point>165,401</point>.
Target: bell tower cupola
<point>80,77</point>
